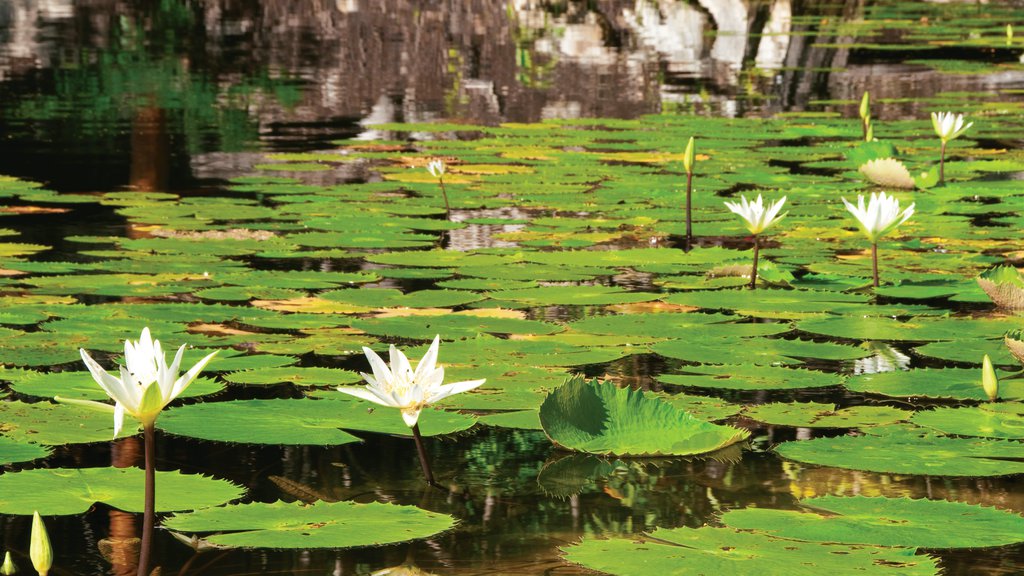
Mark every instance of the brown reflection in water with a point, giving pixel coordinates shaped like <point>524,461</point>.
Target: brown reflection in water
<point>150,150</point>
<point>121,547</point>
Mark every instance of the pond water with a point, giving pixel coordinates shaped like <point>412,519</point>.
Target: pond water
<point>250,176</point>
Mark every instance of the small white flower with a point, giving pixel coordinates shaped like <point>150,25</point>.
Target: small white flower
<point>400,387</point>
<point>758,217</point>
<point>147,383</point>
<point>881,216</point>
<point>949,126</point>
<point>436,168</point>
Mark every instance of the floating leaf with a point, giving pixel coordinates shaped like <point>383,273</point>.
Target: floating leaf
<point>959,383</point>
<point>816,415</point>
<point>751,377</point>
<point>605,419</point>
<point>756,350</point>
<point>1002,420</point>
<point>60,491</point>
<point>707,550</point>
<point>908,452</point>
<point>881,521</point>
<point>320,525</point>
<point>12,451</point>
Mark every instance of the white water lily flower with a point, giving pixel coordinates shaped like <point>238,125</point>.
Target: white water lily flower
<point>758,217</point>
<point>147,383</point>
<point>881,216</point>
<point>436,168</point>
<point>949,126</point>
<point>400,387</point>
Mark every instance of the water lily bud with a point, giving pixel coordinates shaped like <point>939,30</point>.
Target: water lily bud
<point>39,549</point>
<point>8,566</point>
<point>989,382</point>
<point>865,106</point>
<point>1009,34</point>
<point>688,157</point>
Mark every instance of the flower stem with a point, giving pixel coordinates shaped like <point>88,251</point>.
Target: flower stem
<point>149,516</point>
<point>689,225</point>
<point>423,454</point>
<point>444,193</point>
<point>753,270</point>
<point>874,262</point>
<point>942,164</point>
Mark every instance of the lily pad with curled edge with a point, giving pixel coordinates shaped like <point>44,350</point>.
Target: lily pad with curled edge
<point>990,420</point>
<point>957,383</point>
<point>899,450</point>
<point>769,303</point>
<point>391,298</point>
<point>12,451</point>
<point>61,491</point>
<point>881,521</point>
<point>750,377</point>
<point>708,550</point>
<point>764,351</point>
<point>601,418</point>
<point>300,422</point>
<point>1005,286</point>
<point>300,376</point>
<point>673,325</point>
<point>818,415</point>
<point>703,407</point>
<point>1014,341</point>
<point>451,326</point>
<point>572,295</point>
<point>318,525</point>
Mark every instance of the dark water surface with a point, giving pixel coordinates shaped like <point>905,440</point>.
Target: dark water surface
<point>101,95</point>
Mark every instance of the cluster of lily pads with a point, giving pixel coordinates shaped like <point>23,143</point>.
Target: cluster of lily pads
<point>565,255</point>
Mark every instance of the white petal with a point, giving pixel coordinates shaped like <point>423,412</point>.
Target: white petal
<point>429,360</point>
<point>451,389</point>
<point>381,372</point>
<point>182,383</point>
<point>366,394</point>
<point>118,418</point>
<point>111,385</point>
<point>410,415</point>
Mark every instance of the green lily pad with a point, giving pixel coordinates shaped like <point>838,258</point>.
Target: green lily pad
<point>312,376</point>
<point>519,419</point>
<point>881,521</point>
<point>320,525</point>
<point>12,451</point>
<point>692,326</point>
<point>601,418</point>
<point>299,422</point>
<point>451,326</point>
<point>958,383</point>
<point>756,351</point>
<point>908,452</point>
<point>817,415</point>
<point>572,295</point>
<point>58,424</point>
<point>707,550</point>
<point>1002,420</point>
<point>750,377</point>
<point>61,491</point>
<point>390,298</point>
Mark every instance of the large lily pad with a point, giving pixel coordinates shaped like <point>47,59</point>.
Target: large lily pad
<point>884,521</point>
<point>1002,420</point>
<point>901,451</point>
<point>601,418</point>
<point>313,422</point>
<point>707,550</point>
<point>59,491</point>
<point>320,525</point>
<point>958,383</point>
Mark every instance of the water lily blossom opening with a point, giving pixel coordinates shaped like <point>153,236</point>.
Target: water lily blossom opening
<point>39,549</point>
<point>437,169</point>
<point>758,218</point>
<point>399,386</point>
<point>147,384</point>
<point>881,216</point>
<point>948,126</point>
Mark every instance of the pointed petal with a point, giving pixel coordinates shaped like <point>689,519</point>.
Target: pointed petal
<point>182,383</point>
<point>118,418</point>
<point>366,394</point>
<point>411,416</point>
<point>111,385</point>
<point>381,372</point>
<point>90,404</point>
<point>452,389</point>
<point>429,360</point>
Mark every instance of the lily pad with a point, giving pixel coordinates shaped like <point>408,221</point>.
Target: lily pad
<point>601,418</point>
<point>707,550</point>
<point>12,451</point>
<point>901,451</point>
<point>881,521</point>
<point>320,525</point>
<point>958,383</point>
<point>60,491</point>
<point>1002,420</point>
<point>817,415</point>
<point>756,351</point>
<point>749,377</point>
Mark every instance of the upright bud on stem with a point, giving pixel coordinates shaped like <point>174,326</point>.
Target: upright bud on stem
<point>688,156</point>
<point>989,382</point>
<point>8,566</point>
<point>39,550</point>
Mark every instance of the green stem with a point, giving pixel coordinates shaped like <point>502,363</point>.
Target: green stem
<point>149,516</point>
<point>444,193</point>
<point>874,262</point>
<point>689,225</point>
<point>942,164</point>
<point>753,271</point>
<point>424,463</point>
